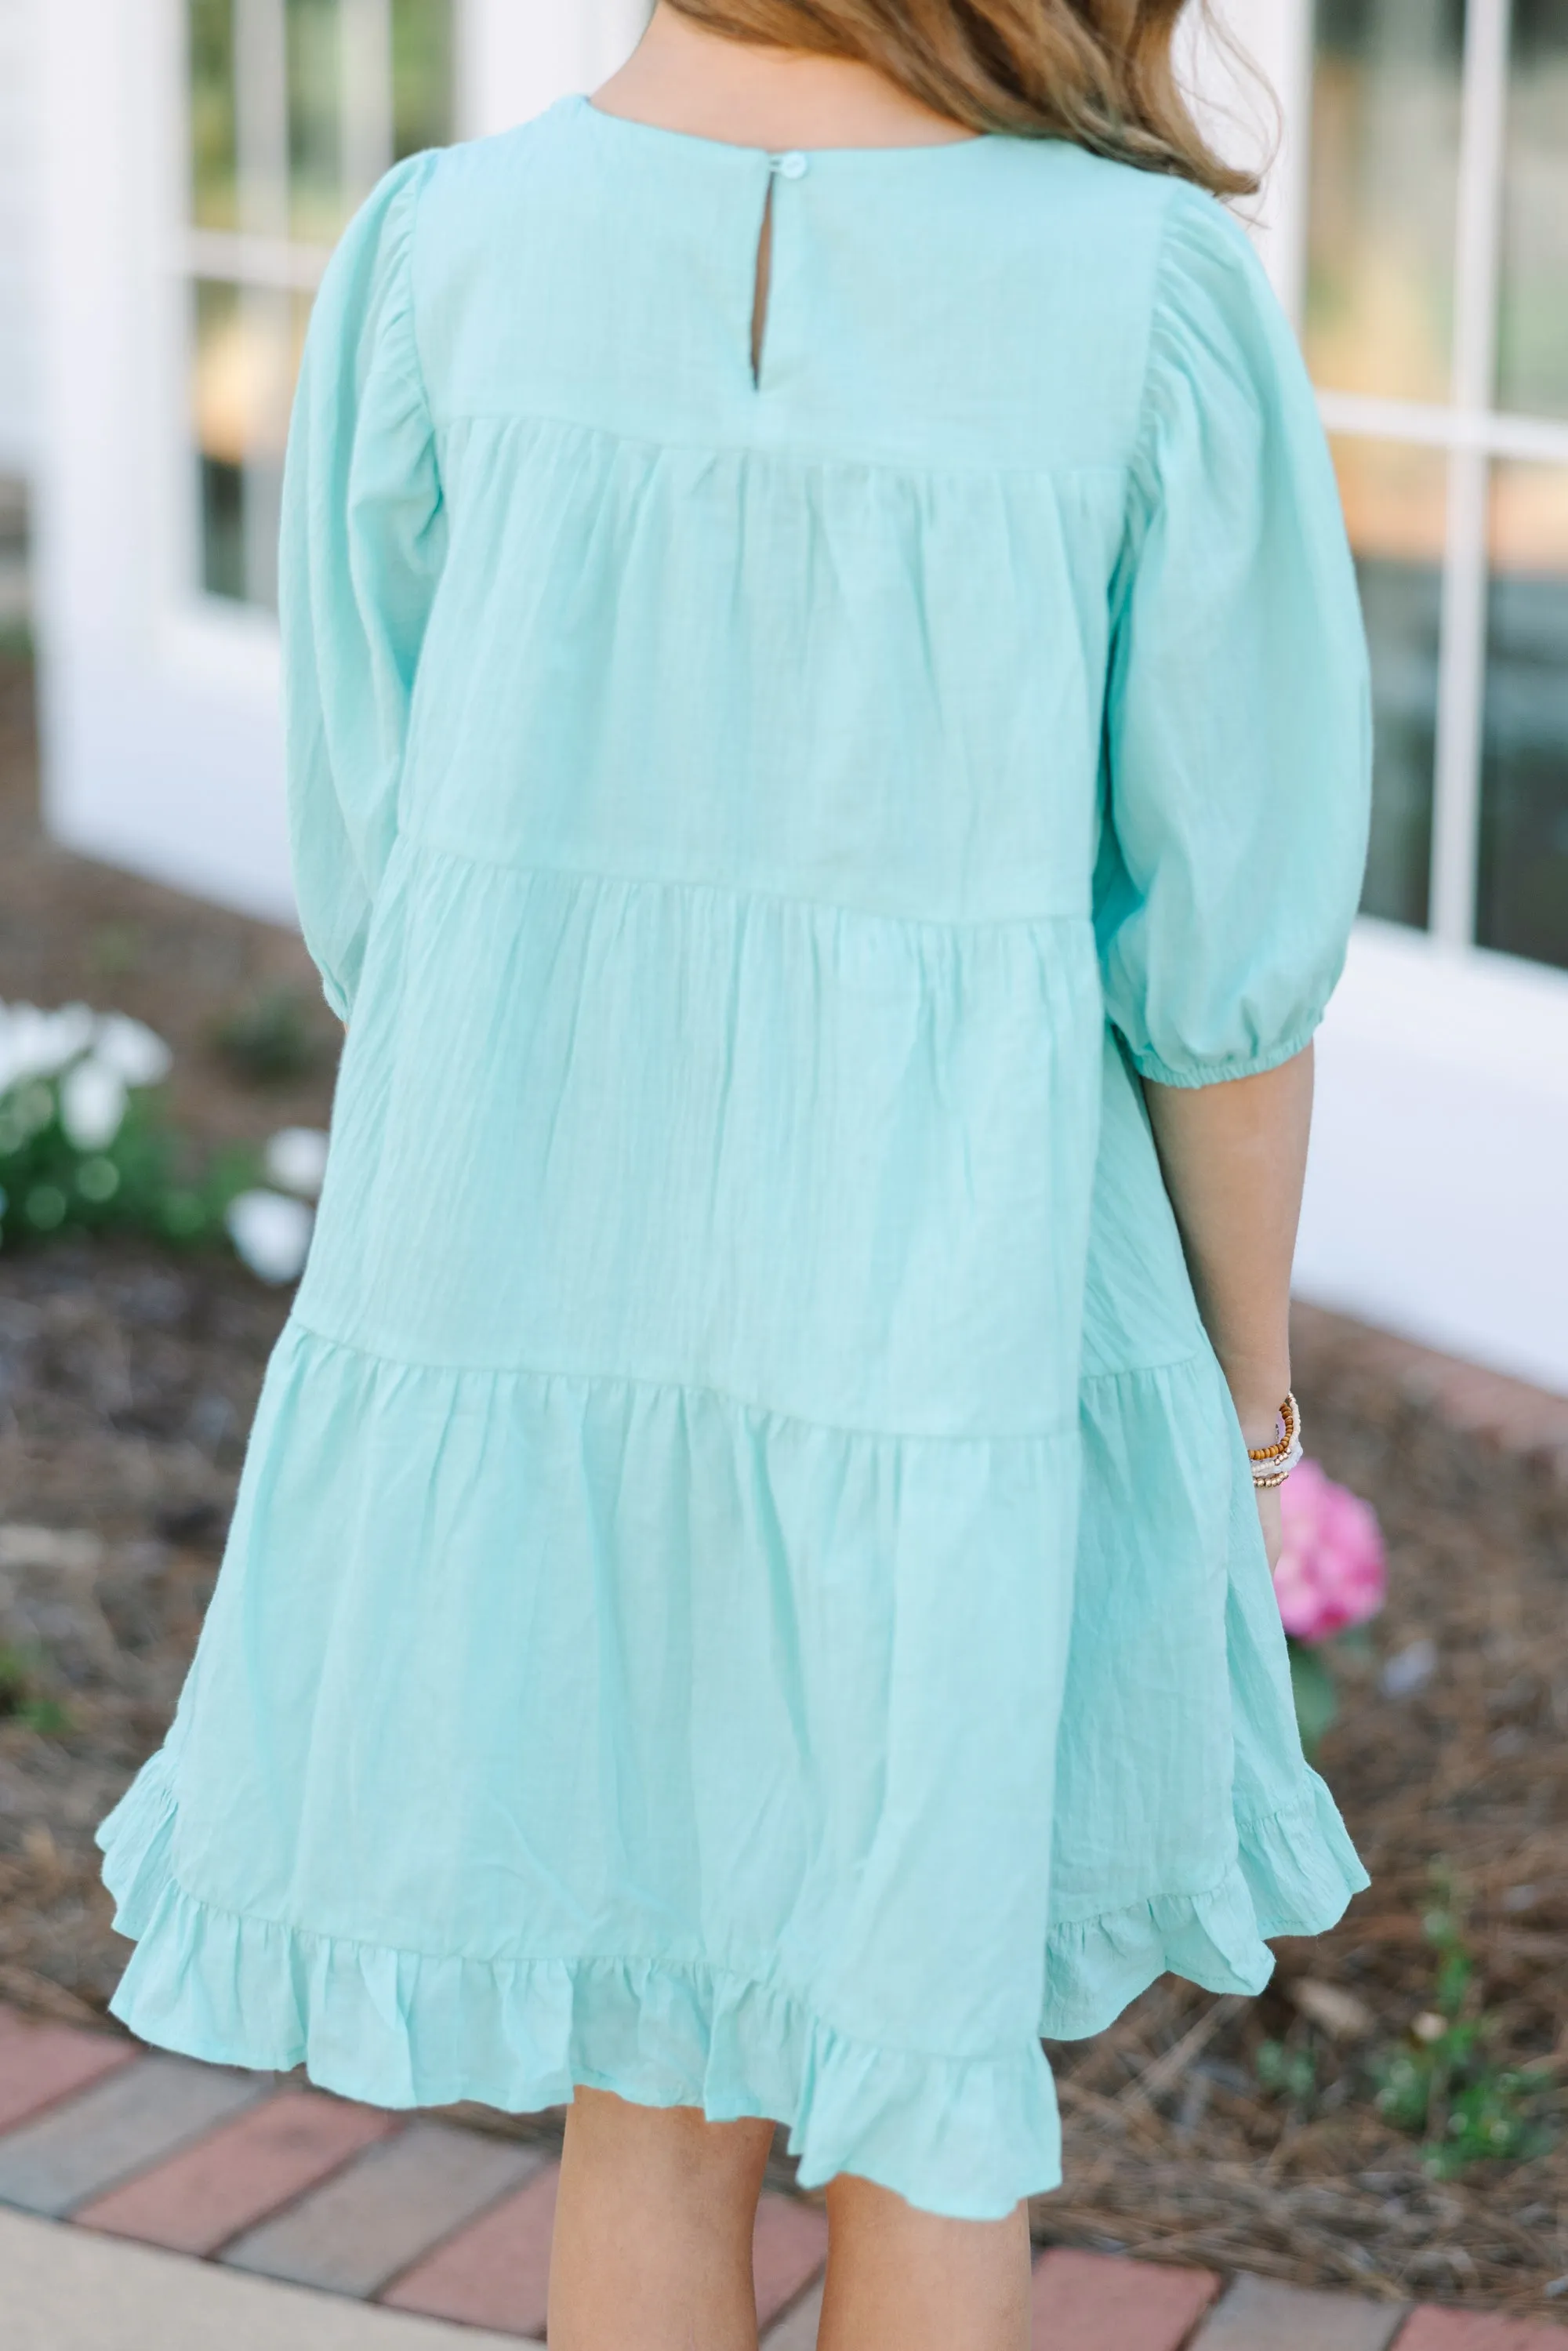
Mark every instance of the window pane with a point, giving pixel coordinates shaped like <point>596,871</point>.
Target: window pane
<point>316,206</point>
<point>1395,501</point>
<point>210,34</point>
<point>1385,150</point>
<point>1524,895</point>
<point>297,107</point>
<point>247,345</point>
<point>421,75</point>
<point>1532,323</point>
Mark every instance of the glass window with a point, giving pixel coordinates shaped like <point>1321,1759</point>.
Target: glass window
<point>1523,886</point>
<point>1395,500</point>
<point>316,206</point>
<point>1533,317</point>
<point>297,107</point>
<point>424,75</point>
<point>213,197</point>
<point>248,342</point>
<point>1383,182</point>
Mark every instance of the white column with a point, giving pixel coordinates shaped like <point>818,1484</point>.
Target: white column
<point>1240,120</point>
<point>516,57</point>
<point>19,399</point>
<point>160,722</point>
<point>1456,820</point>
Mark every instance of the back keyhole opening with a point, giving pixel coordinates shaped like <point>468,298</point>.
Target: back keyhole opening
<point>760,297</point>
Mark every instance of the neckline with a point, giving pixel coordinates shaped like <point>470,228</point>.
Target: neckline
<point>694,143</point>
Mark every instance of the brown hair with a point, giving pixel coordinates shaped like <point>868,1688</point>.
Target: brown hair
<point>1097,72</point>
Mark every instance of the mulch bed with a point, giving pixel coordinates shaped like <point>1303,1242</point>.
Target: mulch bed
<point>128,1378</point>
<point>1467,1778</point>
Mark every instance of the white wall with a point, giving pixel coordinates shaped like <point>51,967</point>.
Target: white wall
<point>19,238</point>
<point>1439,1163</point>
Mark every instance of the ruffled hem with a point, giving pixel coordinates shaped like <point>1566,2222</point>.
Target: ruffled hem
<point>1294,1873</point>
<point>400,2029</point>
<point>964,2137</point>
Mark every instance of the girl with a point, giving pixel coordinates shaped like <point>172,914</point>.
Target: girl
<point>828,761</point>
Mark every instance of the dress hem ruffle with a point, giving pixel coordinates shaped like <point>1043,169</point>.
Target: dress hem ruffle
<point>401,2029</point>
<point>1294,1873</point>
<point>398,2029</point>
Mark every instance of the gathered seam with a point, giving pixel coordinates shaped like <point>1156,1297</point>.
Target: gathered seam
<point>1050,1435</point>
<point>804,459</point>
<point>430,843</point>
<point>708,1969</point>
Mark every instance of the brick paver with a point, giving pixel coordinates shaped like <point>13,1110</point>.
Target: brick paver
<point>41,2064</point>
<point>788,2246</point>
<point>1466,2330</point>
<point>1101,2302</point>
<point>135,2117</point>
<point>797,2330</point>
<point>198,2200</point>
<point>388,2207</point>
<point>450,2228</point>
<point>494,2272</point>
<point>1256,2314</point>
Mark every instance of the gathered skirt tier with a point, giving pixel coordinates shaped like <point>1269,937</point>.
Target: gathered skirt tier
<point>493,1776</point>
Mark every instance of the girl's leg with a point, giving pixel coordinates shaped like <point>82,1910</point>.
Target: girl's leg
<point>653,2229</point>
<point>903,2280</point>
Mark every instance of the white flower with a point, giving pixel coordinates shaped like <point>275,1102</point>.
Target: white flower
<point>92,1103</point>
<point>35,1044</point>
<point>136,1051</point>
<point>296,1157</point>
<point>271,1232</point>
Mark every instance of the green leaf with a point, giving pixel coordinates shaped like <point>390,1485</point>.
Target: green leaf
<point>1317,1700</point>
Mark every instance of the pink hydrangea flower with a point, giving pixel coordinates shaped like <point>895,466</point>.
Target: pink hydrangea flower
<point>1332,1570</point>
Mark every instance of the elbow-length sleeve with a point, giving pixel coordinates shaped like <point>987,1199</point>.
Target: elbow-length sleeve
<point>361,550</point>
<point>1238,721</point>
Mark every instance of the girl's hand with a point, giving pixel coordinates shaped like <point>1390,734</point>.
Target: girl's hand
<point>1260,1427</point>
<point>1233,1156</point>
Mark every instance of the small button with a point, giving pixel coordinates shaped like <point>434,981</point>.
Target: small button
<point>793,164</point>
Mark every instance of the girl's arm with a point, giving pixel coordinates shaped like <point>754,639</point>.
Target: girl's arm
<point>1234,1158</point>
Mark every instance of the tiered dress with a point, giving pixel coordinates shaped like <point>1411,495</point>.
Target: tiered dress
<point>744,1589</point>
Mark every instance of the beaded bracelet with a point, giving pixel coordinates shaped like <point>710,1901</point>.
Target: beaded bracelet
<point>1272,1464</point>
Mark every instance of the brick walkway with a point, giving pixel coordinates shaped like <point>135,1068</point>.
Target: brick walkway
<point>267,2179</point>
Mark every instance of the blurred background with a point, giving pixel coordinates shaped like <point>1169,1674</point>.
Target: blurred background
<point>172,175</point>
<point>1392,2114</point>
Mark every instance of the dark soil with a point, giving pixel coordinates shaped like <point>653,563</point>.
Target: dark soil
<point>128,1378</point>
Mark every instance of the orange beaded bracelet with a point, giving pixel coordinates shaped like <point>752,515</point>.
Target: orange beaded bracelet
<point>1272,1464</point>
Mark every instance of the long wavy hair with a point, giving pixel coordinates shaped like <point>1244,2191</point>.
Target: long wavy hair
<point>1098,72</point>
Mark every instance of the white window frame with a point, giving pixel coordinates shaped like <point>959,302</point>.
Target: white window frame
<point>1442,1123</point>
<point>262,256</point>
<point>1472,431</point>
<point>159,701</point>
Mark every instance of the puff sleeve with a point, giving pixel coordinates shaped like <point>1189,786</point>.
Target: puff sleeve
<point>360,549</point>
<point>1238,754</point>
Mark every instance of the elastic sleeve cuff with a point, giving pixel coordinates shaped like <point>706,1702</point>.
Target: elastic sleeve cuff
<point>1192,1075</point>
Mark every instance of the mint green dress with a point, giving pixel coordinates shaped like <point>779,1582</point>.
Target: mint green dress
<point>744,1589</point>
